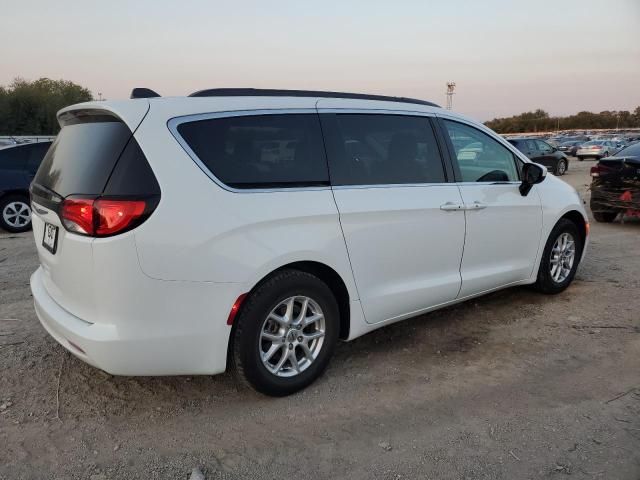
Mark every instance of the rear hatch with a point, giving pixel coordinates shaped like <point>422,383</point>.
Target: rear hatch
<point>95,156</point>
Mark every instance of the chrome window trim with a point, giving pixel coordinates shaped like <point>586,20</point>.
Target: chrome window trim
<point>377,111</point>
<point>175,122</point>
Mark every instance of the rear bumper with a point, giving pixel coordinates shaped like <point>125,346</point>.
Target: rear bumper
<point>156,342</point>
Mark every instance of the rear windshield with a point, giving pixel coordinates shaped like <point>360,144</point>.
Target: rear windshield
<point>630,151</point>
<point>83,156</point>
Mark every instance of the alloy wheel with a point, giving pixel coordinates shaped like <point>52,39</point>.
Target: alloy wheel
<point>292,336</point>
<point>16,214</point>
<point>563,255</point>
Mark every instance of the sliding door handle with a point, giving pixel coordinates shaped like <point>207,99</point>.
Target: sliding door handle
<point>450,206</point>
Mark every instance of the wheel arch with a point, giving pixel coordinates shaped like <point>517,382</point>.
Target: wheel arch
<point>324,272</point>
<point>580,222</point>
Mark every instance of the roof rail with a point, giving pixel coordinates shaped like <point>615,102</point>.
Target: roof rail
<point>143,93</point>
<point>268,92</point>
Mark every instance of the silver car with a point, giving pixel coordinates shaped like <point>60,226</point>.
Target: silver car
<point>596,149</point>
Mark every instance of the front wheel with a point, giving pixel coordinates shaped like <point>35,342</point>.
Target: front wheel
<point>560,258</point>
<point>285,334</point>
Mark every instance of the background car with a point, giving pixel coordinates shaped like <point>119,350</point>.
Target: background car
<point>615,185</point>
<point>18,165</point>
<point>541,152</point>
<point>570,147</point>
<point>596,149</point>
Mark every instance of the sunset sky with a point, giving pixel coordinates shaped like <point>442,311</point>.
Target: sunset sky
<point>506,56</point>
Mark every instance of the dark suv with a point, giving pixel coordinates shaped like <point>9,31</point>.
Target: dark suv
<point>18,165</point>
<point>543,153</point>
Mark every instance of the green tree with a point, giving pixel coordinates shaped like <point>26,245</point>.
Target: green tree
<point>29,108</point>
<point>539,120</point>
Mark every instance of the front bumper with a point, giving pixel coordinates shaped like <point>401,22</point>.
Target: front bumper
<point>156,340</point>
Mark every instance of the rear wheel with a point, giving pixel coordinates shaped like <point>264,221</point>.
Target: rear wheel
<point>560,258</point>
<point>561,167</point>
<point>15,213</point>
<point>285,333</point>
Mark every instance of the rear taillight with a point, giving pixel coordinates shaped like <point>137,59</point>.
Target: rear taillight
<point>102,217</point>
<point>598,170</point>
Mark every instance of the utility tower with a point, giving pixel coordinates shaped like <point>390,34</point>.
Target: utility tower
<point>451,86</point>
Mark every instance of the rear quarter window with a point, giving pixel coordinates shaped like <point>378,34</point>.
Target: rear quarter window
<point>260,151</point>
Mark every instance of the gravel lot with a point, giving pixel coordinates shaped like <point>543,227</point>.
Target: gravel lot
<point>513,385</point>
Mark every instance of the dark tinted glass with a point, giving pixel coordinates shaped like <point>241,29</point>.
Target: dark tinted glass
<point>372,149</point>
<point>260,151</point>
<point>132,175</point>
<point>82,157</point>
<point>519,144</point>
<point>13,158</point>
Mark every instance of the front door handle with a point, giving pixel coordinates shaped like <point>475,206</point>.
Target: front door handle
<point>476,206</point>
<point>450,206</point>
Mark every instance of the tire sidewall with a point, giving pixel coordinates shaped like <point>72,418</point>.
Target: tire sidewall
<point>561,171</point>
<point>250,321</point>
<point>545,282</point>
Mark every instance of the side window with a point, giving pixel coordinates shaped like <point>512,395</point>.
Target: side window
<point>544,147</point>
<point>480,157</point>
<point>260,151</point>
<point>13,158</point>
<point>378,149</point>
<point>531,146</point>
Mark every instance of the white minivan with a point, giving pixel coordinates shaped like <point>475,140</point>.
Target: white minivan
<point>253,229</point>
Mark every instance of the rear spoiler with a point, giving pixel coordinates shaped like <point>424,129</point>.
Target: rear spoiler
<point>143,93</point>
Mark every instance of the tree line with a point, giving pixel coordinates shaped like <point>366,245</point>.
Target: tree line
<point>29,108</point>
<point>541,121</point>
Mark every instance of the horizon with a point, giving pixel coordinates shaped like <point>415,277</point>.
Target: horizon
<point>562,57</point>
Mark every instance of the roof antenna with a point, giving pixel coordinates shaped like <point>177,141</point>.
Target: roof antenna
<point>143,93</point>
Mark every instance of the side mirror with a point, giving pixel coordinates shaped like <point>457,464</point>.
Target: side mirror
<point>532,173</point>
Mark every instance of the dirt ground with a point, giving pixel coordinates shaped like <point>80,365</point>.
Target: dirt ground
<point>511,386</point>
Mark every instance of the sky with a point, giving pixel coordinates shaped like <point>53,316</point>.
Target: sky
<point>506,56</point>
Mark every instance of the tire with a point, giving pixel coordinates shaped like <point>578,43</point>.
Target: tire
<point>256,320</point>
<point>15,213</point>
<point>604,217</point>
<point>547,282</point>
<point>561,167</point>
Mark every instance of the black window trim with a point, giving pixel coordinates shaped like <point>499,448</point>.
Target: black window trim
<point>517,154</point>
<point>431,117</point>
<point>175,122</point>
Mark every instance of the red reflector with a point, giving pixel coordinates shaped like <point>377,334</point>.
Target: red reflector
<point>235,308</point>
<point>116,215</point>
